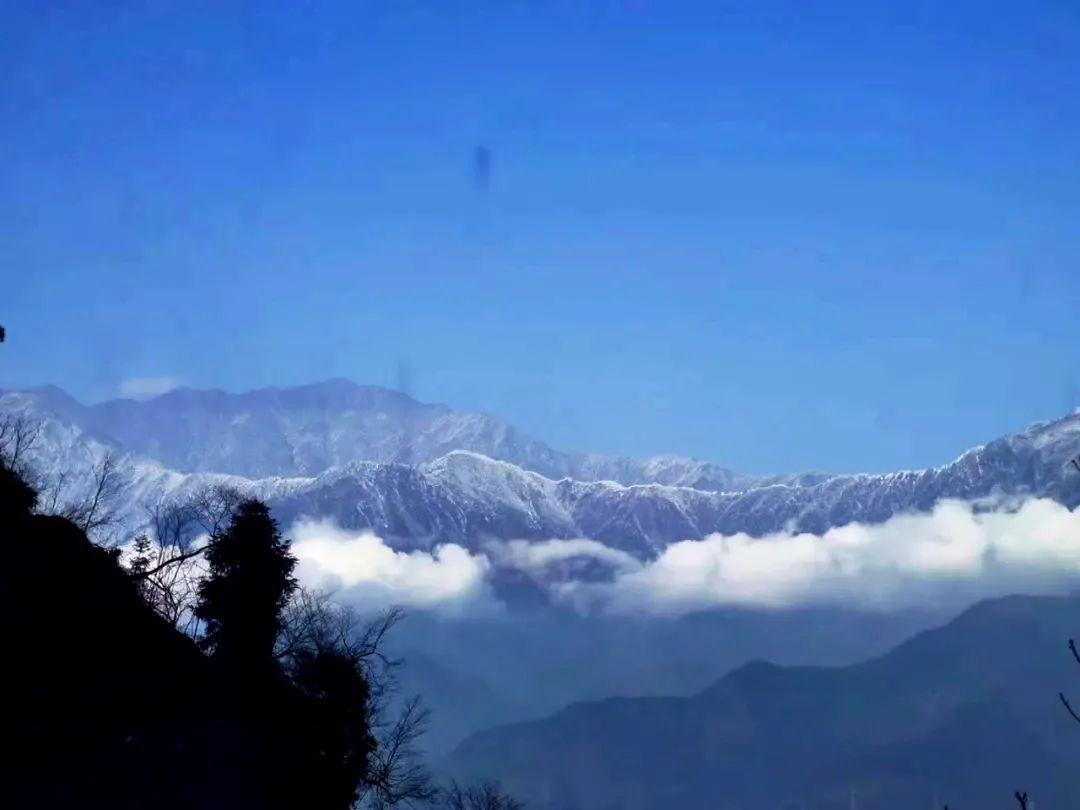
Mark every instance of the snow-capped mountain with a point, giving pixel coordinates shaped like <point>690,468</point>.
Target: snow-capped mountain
<point>307,430</point>
<point>468,497</point>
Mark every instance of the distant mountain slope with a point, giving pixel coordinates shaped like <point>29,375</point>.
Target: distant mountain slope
<point>489,673</point>
<point>961,715</point>
<point>306,430</point>
<point>467,497</point>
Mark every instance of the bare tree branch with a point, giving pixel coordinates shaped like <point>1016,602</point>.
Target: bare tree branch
<point>50,501</point>
<point>485,796</point>
<point>1061,695</point>
<point>213,506</point>
<point>396,774</point>
<point>1068,706</point>
<point>149,573</point>
<point>167,568</point>
<point>314,623</point>
<point>18,434</point>
<point>98,509</point>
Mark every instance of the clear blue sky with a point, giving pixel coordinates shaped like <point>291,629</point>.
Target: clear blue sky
<point>778,236</point>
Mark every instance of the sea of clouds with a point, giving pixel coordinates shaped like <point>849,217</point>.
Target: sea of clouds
<point>960,551</point>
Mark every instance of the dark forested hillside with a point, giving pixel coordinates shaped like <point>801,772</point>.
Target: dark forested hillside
<point>107,704</point>
<point>967,713</point>
<point>272,698</point>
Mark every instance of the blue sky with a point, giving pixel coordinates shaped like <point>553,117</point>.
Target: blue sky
<point>775,235</point>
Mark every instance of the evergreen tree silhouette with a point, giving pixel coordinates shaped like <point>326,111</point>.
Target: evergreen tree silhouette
<point>248,586</point>
<point>338,714</point>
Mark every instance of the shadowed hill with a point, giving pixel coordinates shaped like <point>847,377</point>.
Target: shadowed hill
<point>967,713</point>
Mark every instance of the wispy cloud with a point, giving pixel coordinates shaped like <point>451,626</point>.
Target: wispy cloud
<point>144,387</point>
<point>538,557</point>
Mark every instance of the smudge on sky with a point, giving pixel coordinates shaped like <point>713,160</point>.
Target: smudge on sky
<point>481,167</point>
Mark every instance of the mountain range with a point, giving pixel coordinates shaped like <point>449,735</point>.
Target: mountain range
<point>420,474</point>
<point>306,430</point>
<point>962,715</point>
<point>886,731</point>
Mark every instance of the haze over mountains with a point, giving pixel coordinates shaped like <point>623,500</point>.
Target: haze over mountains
<point>962,715</point>
<point>418,475</point>
<point>306,430</point>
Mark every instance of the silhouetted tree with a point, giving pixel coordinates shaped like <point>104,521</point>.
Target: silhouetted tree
<point>212,507</point>
<point>485,796</point>
<point>18,433</point>
<point>316,626</point>
<point>339,725</point>
<point>248,585</point>
<point>168,566</point>
<point>120,710</point>
<point>93,509</point>
<point>396,774</point>
<point>313,622</point>
<point>107,705</point>
<point>17,497</point>
<point>167,563</point>
<point>97,510</point>
<point>93,502</point>
<point>1061,695</point>
<point>139,561</point>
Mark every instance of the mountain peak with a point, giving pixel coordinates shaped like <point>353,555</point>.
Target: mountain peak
<point>308,429</point>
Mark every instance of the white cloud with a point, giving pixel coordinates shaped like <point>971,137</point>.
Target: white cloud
<point>144,387</point>
<point>535,557</point>
<point>361,569</point>
<point>958,552</point>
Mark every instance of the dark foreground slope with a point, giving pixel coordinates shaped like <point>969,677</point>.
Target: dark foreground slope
<point>106,705</point>
<point>963,715</point>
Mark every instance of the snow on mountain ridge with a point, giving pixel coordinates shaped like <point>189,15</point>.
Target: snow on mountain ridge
<point>306,430</point>
<point>466,497</point>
